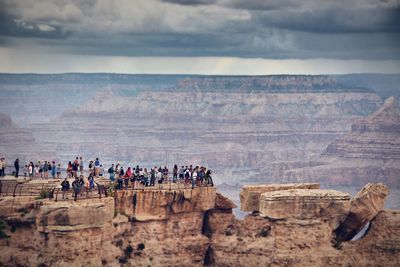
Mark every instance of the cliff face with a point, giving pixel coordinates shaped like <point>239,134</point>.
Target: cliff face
<point>176,228</point>
<point>369,153</point>
<point>247,126</point>
<point>16,142</point>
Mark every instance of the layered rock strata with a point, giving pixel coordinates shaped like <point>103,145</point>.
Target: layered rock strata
<point>250,194</point>
<point>191,230</point>
<point>370,152</point>
<point>329,205</point>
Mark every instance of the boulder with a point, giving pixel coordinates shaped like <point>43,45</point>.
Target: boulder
<point>326,205</point>
<point>250,194</point>
<point>223,203</point>
<point>365,205</point>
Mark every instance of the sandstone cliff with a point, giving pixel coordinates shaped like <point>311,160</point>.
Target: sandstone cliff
<point>196,228</point>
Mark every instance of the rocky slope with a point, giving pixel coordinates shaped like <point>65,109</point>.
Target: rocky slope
<point>194,228</point>
<point>16,142</point>
<point>369,153</point>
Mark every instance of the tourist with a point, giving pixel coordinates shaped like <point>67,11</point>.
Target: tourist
<point>194,177</point>
<point>146,177</point>
<point>127,177</point>
<point>160,177</point>
<point>16,165</point>
<point>152,176</point>
<point>69,170</point>
<point>175,173</point>
<point>111,172</point>
<point>45,170</point>
<point>82,183</point>
<point>40,166</point>
<point>181,173</point>
<point>31,170</point>
<point>119,183</point>
<point>97,164</point>
<point>53,169</point>
<point>121,172</point>
<point>208,178</point>
<point>91,166</point>
<point>26,171</point>
<point>65,188</point>
<point>81,165</point>
<point>91,182</point>
<point>2,167</point>
<point>76,186</point>
<point>187,177</point>
<point>75,166</point>
<point>58,171</point>
<point>37,170</point>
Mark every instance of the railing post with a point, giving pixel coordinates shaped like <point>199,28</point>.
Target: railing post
<point>15,188</point>
<point>105,191</point>
<point>58,190</point>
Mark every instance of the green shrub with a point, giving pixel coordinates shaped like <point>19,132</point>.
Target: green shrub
<point>43,194</point>
<point>3,227</point>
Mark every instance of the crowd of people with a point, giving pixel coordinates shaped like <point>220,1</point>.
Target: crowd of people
<point>131,177</point>
<point>138,177</point>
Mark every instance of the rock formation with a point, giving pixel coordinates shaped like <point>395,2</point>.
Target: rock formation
<point>329,205</point>
<point>176,228</point>
<point>369,153</point>
<point>250,194</point>
<point>234,124</point>
<point>365,205</point>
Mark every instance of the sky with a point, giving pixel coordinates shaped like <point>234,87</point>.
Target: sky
<point>200,36</point>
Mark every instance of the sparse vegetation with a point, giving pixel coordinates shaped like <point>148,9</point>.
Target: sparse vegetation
<point>43,194</point>
<point>337,244</point>
<point>3,226</point>
<point>128,251</point>
<point>264,232</point>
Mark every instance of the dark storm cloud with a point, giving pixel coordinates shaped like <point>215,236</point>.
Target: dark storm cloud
<point>190,2</point>
<point>334,20</point>
<point>352,29</point>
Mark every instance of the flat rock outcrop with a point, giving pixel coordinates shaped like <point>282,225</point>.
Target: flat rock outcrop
<point>328,205</point>
<point>250,194</point>
<point>365,205</point>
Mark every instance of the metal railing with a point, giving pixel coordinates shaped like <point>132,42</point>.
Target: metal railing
<point>47,191</point>
<point>15,189</point>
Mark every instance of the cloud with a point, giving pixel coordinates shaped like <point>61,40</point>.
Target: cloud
<point>191,2</point>
<point>280,29</point>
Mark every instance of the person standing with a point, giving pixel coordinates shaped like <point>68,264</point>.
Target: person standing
<point>16,165</point>
<point>76,186</point>
<point>111,172</point>
<point>3,167</point>
<point>81,165</point>
<point>175,174</point>
<point>97,167</point>
<point>53,169</point>
<point>65,187</point>
<point>31,170</point>
<point>59,171</point>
